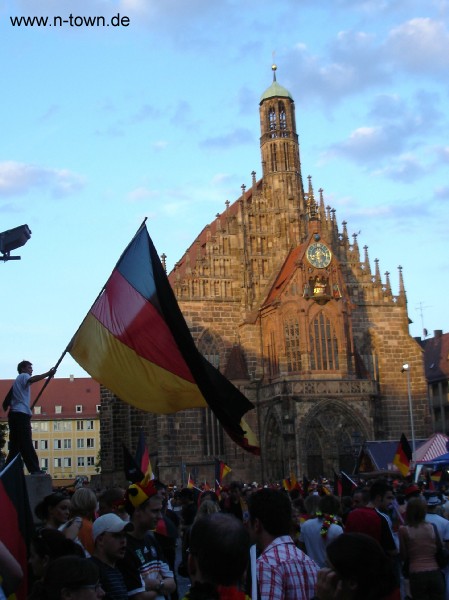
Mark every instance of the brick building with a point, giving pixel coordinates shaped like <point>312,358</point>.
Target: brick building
<point>285,303</point>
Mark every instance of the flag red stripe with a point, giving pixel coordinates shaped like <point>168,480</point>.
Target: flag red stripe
<point>138,324</point>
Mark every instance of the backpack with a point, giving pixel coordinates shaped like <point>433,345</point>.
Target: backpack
<point>7,401</point>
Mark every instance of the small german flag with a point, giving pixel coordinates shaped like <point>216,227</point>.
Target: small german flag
<point>16,524</point>
<point>403,456</point>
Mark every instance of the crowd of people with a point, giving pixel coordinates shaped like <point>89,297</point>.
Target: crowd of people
<point>246,542</point>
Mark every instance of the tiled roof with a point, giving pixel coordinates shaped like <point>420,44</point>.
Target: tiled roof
<point>67,393</point>
<point>287,270</point>
<point>436,357</point>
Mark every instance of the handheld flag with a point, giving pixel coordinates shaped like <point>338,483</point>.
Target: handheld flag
<point>403,456</point>
<point>190,483</point>
<point>221,470</point>
<point>348,485</point>
<point>16,524</point>
<point>133,472</point>
<point>135,341</point>
<point>143,456</point>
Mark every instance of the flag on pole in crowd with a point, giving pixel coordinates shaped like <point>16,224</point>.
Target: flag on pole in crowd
<point>143,456</point>
<point>348,485</point>
<point>190,483</point>
<point>286,484</point>
<point>221,470</point>
<point>133,471</point>
<point>403,456</point>
<point>135,341</point>
<point>16,523</point>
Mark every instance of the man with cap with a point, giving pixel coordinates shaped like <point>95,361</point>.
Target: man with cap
<point>145,571</point>
<point>109,533</point>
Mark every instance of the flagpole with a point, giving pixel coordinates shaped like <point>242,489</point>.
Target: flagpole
<point>67,349</point>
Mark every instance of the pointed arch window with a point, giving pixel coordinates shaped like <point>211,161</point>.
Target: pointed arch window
<point>282,120</point>
<point>292,349</point>
<point>213,437</point>
<point>208,348</point>
<point>272,357</point>
<point>272,122</point>
<point>323,345</point>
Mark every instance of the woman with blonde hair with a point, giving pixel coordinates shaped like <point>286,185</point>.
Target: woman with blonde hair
<point>418,547</point>
<point>83,505</point>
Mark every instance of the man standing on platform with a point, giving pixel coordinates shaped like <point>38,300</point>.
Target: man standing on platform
<point>19,417</point>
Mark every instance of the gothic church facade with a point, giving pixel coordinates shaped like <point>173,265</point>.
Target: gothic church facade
<point>284,302</point>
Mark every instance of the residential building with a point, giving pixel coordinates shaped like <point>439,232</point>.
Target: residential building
<point>66,426</point>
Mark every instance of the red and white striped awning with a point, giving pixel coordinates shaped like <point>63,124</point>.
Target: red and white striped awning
<point>435,446</point>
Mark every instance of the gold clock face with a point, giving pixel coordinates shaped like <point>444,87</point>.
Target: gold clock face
<point>319,255</point>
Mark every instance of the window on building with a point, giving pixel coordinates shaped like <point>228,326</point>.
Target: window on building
<point>58,410</point>
<point>78,408</point>
<point>80,425</point>
<point>44,444</point>
<point>272,122</point>
<point>272,356</point>
<point>67,444</point>
<point>44,463</point>
<point>323,345</point>
<point>57,444</point>
<point>67,463</point>
<point>90,442</point>
<point>80,443</point>
<point>35,444</point>
<point>37,410</point>
<point>80,461</point>
<point>43,426</point>
<point>57,463</point>
<point>89,425</point>
<point>213,434</point>
<point>91,461</point>
<point>208,348</point>
<point>98,407</point>
<point>291,337</point>
<point>282,120</point>
<point>273,158</point>
<point>57,425</point>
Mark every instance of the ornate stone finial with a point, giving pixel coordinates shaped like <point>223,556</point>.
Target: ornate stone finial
<point>401,282</point>
<point>227,203</point>
<point>387,283</point>
<point>163,259</point>
<point>253,178</point>
<point>243,186</point>
<point>274,69</point>
<point>377,275</point>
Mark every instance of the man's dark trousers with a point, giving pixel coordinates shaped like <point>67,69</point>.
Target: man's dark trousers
<point>20,440</point>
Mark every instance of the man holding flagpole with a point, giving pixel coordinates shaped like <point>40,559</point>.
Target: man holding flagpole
<point>19,417</point>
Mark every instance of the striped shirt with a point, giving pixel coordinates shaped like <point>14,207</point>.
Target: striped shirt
<point>285,573</point>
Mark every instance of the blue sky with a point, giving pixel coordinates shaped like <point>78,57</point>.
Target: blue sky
<point>103,126</point>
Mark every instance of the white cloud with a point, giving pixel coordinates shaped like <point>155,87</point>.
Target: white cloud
<point>420,45</point>
<point>19,178</point>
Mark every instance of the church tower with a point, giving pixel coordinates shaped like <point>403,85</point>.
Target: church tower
<point>283,301</point>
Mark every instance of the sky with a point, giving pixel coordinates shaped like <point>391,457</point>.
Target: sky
<point>158,116</point>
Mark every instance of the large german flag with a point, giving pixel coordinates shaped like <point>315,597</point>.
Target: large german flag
<point>16,523</point>
<point>135,342</point>
<point>403,456</point>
